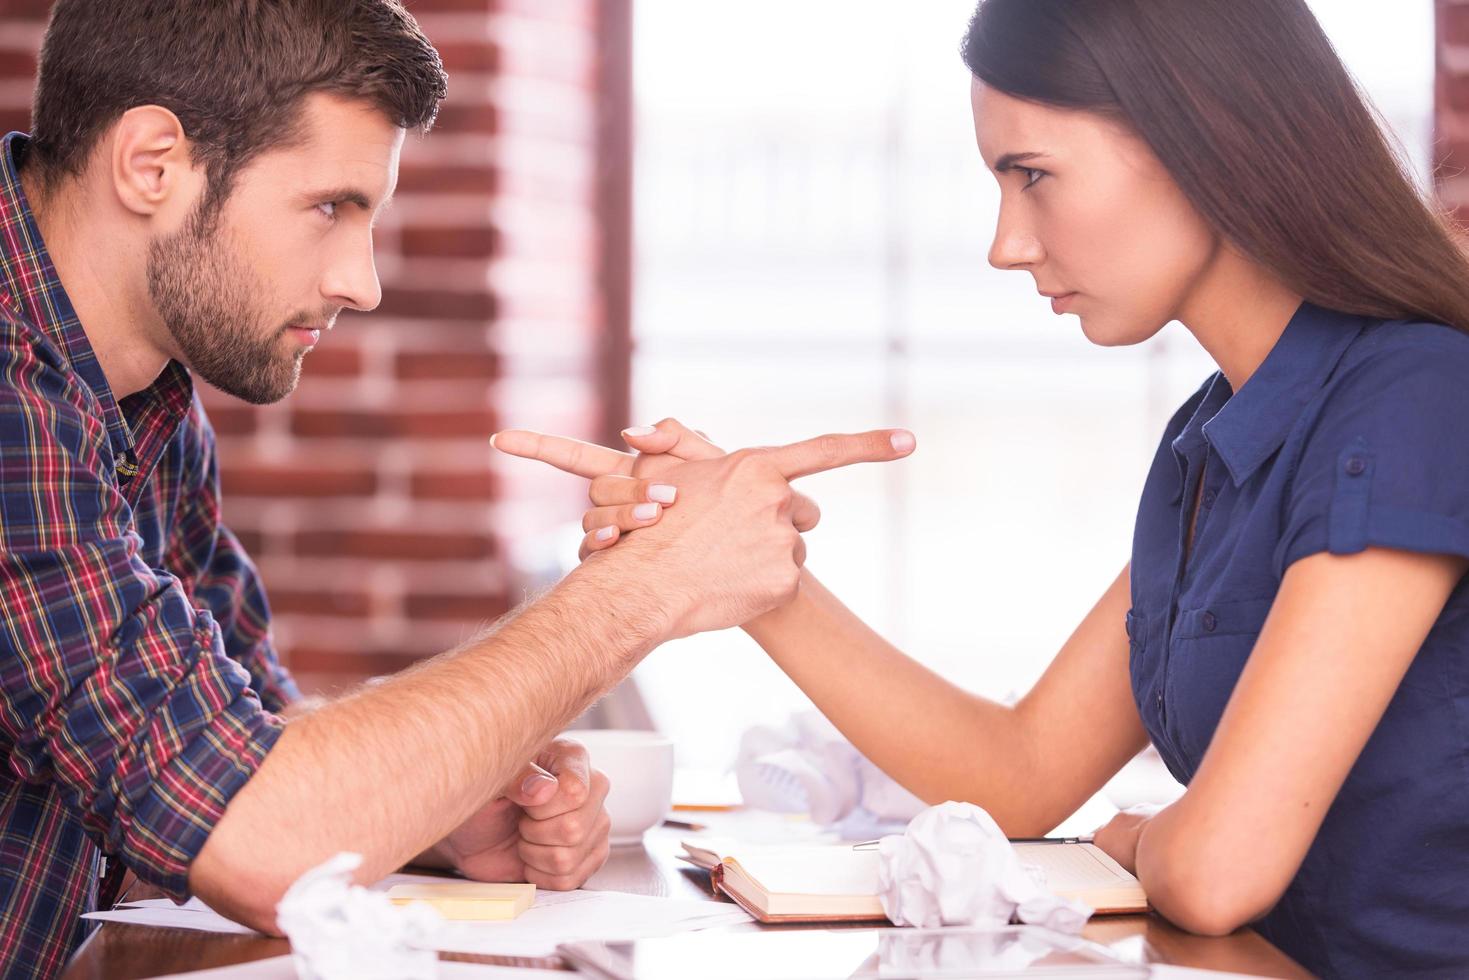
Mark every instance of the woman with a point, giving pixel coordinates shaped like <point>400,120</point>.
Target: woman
<point>1292,631</point>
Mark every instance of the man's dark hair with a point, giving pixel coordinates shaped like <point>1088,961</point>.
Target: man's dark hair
<point>235,73</point>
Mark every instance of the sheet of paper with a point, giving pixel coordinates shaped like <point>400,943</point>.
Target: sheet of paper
<point>1072,866</point>
<point>556,917</point>
<point>172,917</point>
<point>280,968</point>
<point>194,914</point>
<point>563,917</point>
<point>835,870</point>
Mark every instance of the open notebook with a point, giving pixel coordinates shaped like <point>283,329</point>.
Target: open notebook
<point>833,883</point>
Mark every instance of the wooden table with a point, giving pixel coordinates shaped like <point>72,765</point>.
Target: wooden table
<point>127,952</point>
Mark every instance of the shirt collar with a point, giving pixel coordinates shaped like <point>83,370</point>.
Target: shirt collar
<point>1253,423</point>
<point>31,287</point>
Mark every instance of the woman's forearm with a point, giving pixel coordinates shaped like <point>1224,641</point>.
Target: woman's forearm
<point>937,740</point>
<point>1030,765</point>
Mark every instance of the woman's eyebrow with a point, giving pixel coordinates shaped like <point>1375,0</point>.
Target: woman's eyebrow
<point>1010,161</point>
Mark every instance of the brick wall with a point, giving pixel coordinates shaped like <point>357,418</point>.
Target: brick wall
<point>1451,106</point>
<point>384,529</point>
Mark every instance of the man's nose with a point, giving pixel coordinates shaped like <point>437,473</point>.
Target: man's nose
<point>352,279</point>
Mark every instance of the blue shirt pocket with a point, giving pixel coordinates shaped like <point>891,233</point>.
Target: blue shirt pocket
<point>1209,649</point>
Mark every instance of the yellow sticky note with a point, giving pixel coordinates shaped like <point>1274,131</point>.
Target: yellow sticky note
<point>476,900</point>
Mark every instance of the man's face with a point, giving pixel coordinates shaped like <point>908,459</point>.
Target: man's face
<point>246,296</point>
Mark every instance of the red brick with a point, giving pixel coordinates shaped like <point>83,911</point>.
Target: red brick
<point>252,541</point>
<point>455,607</point>
<point>1453,23</point>
<point>406,545</point>
<point>1456,92</point>
<point>17,64</point>
<point>454,485</point>
<point>242,478</point>
<point>469,243</point>
<point>333,424</point>
<point>333,361</point>
<point>468,56</point>
<point>232,418</point>
<point>346,666</point>
<point>448,179</point>
<point>320,602</point>
<point>15,118</point>
<point>482,119</point>
<point>448,365</point>
<point>438,304</point>
<point>25,9</point>
<point>419,7</point>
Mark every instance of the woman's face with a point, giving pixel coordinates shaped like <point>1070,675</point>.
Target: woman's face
<point>1090,212</point>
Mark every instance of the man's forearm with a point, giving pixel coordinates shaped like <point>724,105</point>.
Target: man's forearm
<point>389,771</point>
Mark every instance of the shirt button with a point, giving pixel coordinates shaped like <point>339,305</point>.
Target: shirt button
<point>1209,496</point>
<point>1356,466</point>
<point>1159,699</point>
<point>1211,622</point>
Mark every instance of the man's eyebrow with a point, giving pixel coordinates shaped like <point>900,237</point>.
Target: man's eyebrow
<point>349,195</point>
<point>1011,161</point>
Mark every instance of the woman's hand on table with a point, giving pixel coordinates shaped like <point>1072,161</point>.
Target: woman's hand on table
<point>1119,836</point>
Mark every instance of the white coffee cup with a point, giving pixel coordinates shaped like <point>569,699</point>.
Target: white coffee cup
<point>639,765</point>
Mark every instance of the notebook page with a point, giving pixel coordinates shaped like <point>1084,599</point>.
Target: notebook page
<point>1074,867</point>
<point>837,870</point>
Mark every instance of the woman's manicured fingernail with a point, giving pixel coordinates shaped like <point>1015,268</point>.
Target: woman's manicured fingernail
<point>903,442</point>
<point>662,493</point>
<point>645,512</point>
<point>606,533</point>
<point>639,430</point>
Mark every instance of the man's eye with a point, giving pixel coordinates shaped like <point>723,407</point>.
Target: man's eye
<point>328,208</point>
<point>1031,175</point>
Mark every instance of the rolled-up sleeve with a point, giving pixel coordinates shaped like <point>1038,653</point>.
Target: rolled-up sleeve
<point>112,685</point>
<point>1387,462</point>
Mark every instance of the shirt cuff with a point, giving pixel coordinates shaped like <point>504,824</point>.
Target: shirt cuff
<point>187,798</point>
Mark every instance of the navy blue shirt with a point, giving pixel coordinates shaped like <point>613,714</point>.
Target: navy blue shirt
<point>1353,433</point>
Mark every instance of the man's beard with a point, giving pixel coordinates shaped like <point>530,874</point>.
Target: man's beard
<point>207,298</point>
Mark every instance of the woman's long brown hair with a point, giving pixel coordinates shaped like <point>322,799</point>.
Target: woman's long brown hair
<point>1249,108</point>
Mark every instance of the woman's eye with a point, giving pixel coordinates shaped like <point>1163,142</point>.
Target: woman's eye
<point>329,209</point>
<point>1031,176</point>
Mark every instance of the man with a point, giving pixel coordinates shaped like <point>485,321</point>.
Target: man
<point>197,199</point>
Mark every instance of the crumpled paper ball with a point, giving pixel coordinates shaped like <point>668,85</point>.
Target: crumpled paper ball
<point>807,766</point>
<point>954,867</point>
<point>342,931</point>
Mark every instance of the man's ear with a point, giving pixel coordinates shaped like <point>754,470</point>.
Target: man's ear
<point>150,162</point>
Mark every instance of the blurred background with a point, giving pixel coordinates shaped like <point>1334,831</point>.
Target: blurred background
<point>769,220</point>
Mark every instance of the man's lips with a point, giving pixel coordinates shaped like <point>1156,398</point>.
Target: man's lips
<point>307,334</point>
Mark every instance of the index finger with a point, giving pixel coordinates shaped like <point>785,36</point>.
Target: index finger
<point>569,455</point>
<point>832,451</point>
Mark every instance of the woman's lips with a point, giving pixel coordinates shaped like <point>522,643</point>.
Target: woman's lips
<point>1062,304</point>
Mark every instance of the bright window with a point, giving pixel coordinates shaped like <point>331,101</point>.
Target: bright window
<point>812,222</point>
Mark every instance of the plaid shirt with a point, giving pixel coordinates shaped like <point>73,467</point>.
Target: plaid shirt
<point>137,676</point>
